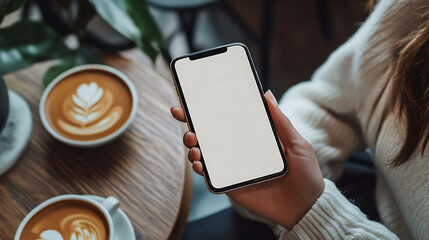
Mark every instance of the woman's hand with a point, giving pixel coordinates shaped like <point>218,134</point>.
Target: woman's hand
<point>284,200</point>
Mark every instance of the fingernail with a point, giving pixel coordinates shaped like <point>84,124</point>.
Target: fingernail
<point>272,96</point>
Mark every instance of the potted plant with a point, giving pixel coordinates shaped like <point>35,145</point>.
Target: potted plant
<point>27,41</point>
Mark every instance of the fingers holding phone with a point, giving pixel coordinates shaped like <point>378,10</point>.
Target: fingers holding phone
<point>178,113</point>
<point>190,141</point>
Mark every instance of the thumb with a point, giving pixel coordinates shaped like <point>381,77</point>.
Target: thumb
<point>285,130</point>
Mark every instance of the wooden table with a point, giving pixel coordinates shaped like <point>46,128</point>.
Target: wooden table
<point>144,168</point>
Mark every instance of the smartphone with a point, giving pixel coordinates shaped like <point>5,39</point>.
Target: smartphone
<point>224,103</point>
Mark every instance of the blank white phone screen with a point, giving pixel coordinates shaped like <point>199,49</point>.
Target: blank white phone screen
<point>229,117</point>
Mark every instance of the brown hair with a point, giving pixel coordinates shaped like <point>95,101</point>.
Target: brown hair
<point>410,88</point>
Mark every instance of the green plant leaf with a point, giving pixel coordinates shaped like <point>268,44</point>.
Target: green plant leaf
<point>83,56</point>
<point>56,70</point>
<point>132,19</point>
<point>8,6</point>
<point>27,42</point>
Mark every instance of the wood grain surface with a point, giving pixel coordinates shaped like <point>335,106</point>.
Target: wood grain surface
<point>144,168</point>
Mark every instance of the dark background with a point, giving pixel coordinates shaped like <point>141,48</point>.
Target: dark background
<point>298,45</point>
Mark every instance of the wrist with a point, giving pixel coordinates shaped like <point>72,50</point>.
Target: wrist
<point>294,213</point>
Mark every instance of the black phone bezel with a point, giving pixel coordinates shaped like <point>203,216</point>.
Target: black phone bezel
<point>211,52</point>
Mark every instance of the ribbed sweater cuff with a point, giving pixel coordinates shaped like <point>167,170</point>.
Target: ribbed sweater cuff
<point>330,217</point>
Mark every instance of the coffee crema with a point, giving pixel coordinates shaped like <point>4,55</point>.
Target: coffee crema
<point>88,105</point>
<point>67,220</point>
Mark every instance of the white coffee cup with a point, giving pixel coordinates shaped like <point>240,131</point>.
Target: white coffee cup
<point>97,142</point>
<point>108,207</point>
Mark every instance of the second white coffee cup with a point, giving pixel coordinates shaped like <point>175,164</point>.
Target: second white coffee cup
<point>108,208</point>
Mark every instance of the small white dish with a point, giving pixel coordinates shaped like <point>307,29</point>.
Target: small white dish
<point>121,223</point>
<point>17,132</point>
<point>97,142</point>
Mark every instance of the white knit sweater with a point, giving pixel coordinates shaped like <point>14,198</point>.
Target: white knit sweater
<point>334,112</point>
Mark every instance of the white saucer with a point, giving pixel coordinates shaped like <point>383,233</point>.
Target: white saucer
<point>122,224</point>
<point>16,133</point>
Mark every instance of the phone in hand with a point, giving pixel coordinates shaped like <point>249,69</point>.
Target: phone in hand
<point>224,104</point>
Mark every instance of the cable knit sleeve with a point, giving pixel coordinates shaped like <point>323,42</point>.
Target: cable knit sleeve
<point>334,217</point>
<point>323,110</point>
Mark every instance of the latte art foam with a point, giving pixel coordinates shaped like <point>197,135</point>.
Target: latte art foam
<point>88,105</point>
<point>89,111</point>
<point>73,227</point>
